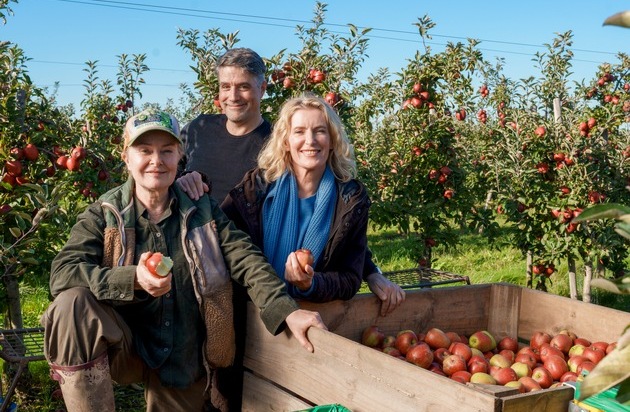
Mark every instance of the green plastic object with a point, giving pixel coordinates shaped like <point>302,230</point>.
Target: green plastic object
<point>327,408</point>
<point>604,400</point>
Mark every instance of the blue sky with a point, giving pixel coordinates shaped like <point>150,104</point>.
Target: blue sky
<point>61,35</point>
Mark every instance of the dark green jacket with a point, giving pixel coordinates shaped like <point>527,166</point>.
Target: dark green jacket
<point>205,247</point>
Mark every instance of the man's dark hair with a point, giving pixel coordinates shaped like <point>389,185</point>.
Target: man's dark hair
<point>245,58</point>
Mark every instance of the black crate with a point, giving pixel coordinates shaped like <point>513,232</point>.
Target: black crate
<point>422,277</point>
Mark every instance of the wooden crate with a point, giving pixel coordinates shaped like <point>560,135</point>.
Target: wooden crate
<point>282,376</point>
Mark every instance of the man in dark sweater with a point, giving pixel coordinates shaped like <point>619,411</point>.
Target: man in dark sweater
<point>225,146</point>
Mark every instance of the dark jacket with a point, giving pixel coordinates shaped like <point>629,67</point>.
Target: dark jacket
<point>105,245</point>
<point>338,275</point>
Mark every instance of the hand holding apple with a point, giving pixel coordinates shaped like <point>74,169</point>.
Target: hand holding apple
<point>298,269</point>
<point>153,274</point>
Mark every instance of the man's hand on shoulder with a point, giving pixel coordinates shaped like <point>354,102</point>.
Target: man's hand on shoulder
<point>192,184</point>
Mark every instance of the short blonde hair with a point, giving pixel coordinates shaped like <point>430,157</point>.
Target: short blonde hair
<point>275,160</point>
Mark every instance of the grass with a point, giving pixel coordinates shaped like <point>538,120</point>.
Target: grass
<point>473,258</point>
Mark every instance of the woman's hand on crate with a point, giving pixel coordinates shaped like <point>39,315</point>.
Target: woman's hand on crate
<point>300,321</point>
<point>390,294</point>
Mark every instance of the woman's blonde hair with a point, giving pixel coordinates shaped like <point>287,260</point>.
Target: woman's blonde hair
<point>275,159</point>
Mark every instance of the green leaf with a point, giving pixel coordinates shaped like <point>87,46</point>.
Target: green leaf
<point>16,232</point>
<point>610,371</point>
<point>602,211</point>
<point>30,261</point>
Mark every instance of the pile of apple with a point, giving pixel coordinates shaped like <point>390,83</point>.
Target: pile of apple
<point>479,358</point>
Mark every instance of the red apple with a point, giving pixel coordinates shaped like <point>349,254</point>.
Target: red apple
<point>478,364</point>
<point>556,365</point>
<point>548,350</point>
<point>530,384</point>
<point>585,366</point>
<point>482,340</point>
<point>461,349</point>
<point>508,354</point>
<point>505,375</point>
<point>454,337</point>
<point>521,369</point>
<point>454,363</point>
<point>436,338</point>
<point>159,265</point>
<point>481,377</point>
<point>373,337</point>
<point>611,347</point>
<point>569,377</point>
<point>500,361</point>
<point>516,385</point>
<point>405,339</point>
<point>389,340</point>
<point>538,338</point>
<point>304,257</point>
<point>572,335</point>
<point>541,375</point>
<point>526,358</point>
<point>576,350</point>
<point>439,354</point>
<point>594,354</point>
<point>600,345</point>
<point>392,351</point>
<point>461,376</point>
<point>509,343</point>
<point>436,368</point>
<point>575,361</point>
<point>562,342</point>
<point>581,341</point>
<point>420,354</point>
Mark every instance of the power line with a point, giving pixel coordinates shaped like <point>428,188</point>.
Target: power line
<point>187,12</point>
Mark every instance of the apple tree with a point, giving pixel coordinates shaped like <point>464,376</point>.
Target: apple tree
<point>407,144</point>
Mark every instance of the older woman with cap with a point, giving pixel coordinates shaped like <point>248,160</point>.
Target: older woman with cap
<point>112,319</point>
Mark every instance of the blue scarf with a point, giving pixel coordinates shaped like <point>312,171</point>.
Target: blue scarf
<point>281,219</point>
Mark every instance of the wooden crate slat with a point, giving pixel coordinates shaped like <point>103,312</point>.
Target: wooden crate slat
<point>261,395</point>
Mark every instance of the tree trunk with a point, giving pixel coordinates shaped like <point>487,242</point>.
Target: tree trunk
<point>528,270</point>
<point>14,318</point>
<point>588,275</point>
<point>572,278</point>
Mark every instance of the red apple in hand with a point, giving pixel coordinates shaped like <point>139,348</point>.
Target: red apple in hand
<point>159,265</point>
<point>304,257</point>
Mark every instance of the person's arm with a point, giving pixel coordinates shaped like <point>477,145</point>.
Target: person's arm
<point>248,267</point>
<point>78,264</point>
